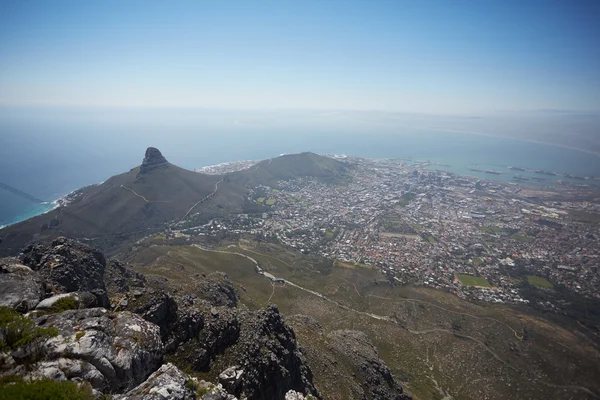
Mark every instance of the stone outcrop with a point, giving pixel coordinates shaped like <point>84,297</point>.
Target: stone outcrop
<point>379,383</point>
<point>270,357</point>
<point>167,383</point>
<point>156,306</point>
<point>82,300</point>
<point>68,266</point>
<point>221,329</point>
<point>153,160</point>
<point>120,279</point>
<point>122,351</point>
<point>113,351</point>
<point>217,289</point>
<point>20,287</point>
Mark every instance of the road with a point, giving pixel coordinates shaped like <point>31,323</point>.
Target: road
<point>273,278</point>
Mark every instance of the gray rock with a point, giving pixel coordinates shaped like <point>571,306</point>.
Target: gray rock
<point>293,395</point>
<point>214,392</point>
<point>47,304</point>
<point>69,266</point>
<point>120,279</point>
<point>267,352</point>
<point>152,160</point>
<point>231,378</point>
<point>217,289</point>
<point>115,351</point>
<point>20,287</point>
<point>379,382</point>
<point>157,307</point>
<point>167,383</point>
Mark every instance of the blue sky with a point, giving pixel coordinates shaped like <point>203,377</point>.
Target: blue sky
<point>415,56</point>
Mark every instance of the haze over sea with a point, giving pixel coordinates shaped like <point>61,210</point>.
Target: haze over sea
<point>49,152</point>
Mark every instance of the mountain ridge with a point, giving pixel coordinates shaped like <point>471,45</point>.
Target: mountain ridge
<point>153,195</point>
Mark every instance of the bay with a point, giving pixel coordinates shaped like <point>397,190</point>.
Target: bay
<point>49,152</point>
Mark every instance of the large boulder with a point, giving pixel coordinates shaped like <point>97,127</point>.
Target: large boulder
<point>69,266</point>
<point>220,330</point>
<point>21,289</point>
<point>269,357</point>
<point>120,279</point>
<point>217,289</point>
<point>379,383</point>
<point>167,383</point>
<point>113,351</point>
<point>155,306</point>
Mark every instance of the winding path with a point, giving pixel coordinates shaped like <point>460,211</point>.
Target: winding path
<point>208,196</point>
<point>143,198</point>
<point>134,192</point>
<point>273,278</point>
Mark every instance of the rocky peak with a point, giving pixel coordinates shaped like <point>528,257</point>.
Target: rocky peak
<point>153,160</point>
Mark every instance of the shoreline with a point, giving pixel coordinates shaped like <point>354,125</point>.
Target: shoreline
<point>59,202</point>
<point>437,164</point>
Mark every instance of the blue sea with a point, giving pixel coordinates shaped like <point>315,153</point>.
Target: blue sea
<point>49,152</point>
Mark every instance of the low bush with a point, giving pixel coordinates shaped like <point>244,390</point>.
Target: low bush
<point>18,331</point>
<point>64,304</point>
<point>16,388</point>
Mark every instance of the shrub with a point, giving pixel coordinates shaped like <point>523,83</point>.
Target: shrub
<point>191,385</point>
<point>18,331</point>
<point>15,388</point>
<point>64,304</point>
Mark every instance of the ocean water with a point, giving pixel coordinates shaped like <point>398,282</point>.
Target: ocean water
<point>49,152</point>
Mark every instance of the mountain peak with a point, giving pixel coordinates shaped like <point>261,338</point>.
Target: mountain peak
<point>153,160</point>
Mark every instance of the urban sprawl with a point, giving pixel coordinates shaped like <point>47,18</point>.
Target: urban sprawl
<point>476,238</point>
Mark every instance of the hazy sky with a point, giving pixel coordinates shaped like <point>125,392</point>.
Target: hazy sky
<point>418,56</point>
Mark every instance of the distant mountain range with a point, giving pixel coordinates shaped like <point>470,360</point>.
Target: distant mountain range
<point>155,194</point>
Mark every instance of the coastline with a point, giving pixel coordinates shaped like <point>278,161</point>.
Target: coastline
<point>460,166</point>
<point>49,206</point>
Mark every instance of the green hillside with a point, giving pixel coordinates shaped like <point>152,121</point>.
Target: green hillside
<point>290,166</point>
<point>135,203</point>
<point>155,194</point>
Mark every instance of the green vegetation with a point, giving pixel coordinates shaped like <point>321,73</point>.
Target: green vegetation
<point>412,308</point>
<point>538,281</point>
<point>477,261</point>
<point>289,166</point>
<point>406,198</point>
<point>79,335</point>
<point>492,229</point>
<point>270,202</point>
<point>523,238</point>
<point>191,385</point>
<point>16,388</point>
<point>432,239</point>
<point>585,216</point>
<point>64,304</point>
<point>470,280</point>
<point>393,223</point>
<point>260,199</point>
<point>275,191</point>
<point>18,331</point>
<point>329,234</point>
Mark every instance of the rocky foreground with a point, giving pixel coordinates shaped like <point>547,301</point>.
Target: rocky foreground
<point>66,314</point>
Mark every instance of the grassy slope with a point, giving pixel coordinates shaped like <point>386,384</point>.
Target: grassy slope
<point>289,166</point>
<point>431,364</point>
